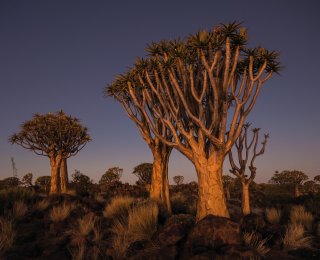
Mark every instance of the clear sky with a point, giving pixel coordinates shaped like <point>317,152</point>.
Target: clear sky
<point>61,54</point>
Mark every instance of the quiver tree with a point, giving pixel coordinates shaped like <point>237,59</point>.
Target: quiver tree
<point>290,178</point>
<point>159,186</point>
<point>57,136</point>
<point>144,173</point>
<point>178,179</point>
<point>188,92</point>
<point>245,147</point>
<point>27,180</point>
<point>111,175</point>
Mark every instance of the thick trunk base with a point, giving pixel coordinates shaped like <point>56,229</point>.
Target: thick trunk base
<point>246,210</point>
<point>64,180</point>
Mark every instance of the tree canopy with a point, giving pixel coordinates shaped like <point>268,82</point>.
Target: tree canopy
<point>144,173</point>
<point>111,175</point>
<point>286,177</point>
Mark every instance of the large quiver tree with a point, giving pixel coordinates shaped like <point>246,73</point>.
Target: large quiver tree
<point>200,91</point>
<point>55,135</point>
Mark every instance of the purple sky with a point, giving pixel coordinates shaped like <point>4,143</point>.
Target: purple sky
<point>61,54</point>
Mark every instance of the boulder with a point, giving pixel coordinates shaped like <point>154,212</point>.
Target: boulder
<point>175,229</point>
<point>211,233</point>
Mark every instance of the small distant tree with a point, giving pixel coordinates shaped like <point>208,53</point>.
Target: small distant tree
<point>178,179</point>
<point>43,182</point>
<point>111,175</point>
<point>144,173</point>
<point>244,145</point>
<point>27,180</point>
<point>291,178</point>
<point>317,179</point>
<point>81,182</point>
<point>227,181</point>
<point>310,187</point>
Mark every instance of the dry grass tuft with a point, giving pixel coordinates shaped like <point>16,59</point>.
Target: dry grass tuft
<point>42,205</point>
<point>84,226</point>
<point>19,210</point>
<point>7,234</point>
<point>253,240</point>
<point>78,253</point>
<point>61,212</point>
<point>298,215</point>
<point>273,215</point>
<point>141,224</point>
<point>295,238</point>
<point>118,207</point>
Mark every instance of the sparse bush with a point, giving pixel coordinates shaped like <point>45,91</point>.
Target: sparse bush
<point>42,205</point>
<point>295,238</point>
<point>298,215</point>
<point>118,207</point>
<point>61,212</point>
<point>7,235</point>
<point>273,215</point>
<point>253,240</point>
<point>19,210</point>
<point>141,225</point>
<point>179,203</point>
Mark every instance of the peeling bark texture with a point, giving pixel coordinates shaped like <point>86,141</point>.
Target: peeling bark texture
<point>211,195</point>
<point>159,188</point>
<point>245,199</point>
<point>64,181</point>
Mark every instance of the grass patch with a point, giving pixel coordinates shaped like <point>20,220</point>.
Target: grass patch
<point>42,205</point>
<point>61,212</point>
<point>19,210</point>
<point>295,237</point>
<point>7,235</point>
<point>118,207</point>
<point>298,215</point>
<point>273,215</point>
<point>253,240</point>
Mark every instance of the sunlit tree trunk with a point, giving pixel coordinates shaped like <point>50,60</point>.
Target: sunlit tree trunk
<point>159,188</point>
<point>211,195</point>
<point>64,175</point>
<point>55,163</point>
<point>245,199</point>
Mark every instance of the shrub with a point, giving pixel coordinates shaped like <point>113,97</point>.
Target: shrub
<point>295,238</point>
<point>253,240</point>
<point>273,215</point>
<point>298,215</point>
<point>19,210</point>
<point>118,207</point>
<point>7,235</point>
<point>141,225</point>
<point>61,212</point>
<point>179,203</point>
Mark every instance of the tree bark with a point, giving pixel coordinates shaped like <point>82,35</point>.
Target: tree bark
<point>227,189</point>
<point>55,163</point>
<point>64,181</point>
<point>245,199</point>
<point>159,187</point>
<point>211,194</point>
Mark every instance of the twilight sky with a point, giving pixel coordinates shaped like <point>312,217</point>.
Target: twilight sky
<point>61,54</point>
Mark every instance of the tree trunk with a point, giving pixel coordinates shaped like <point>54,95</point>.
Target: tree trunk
<point>64,175</point>
<point>211,195</point>
<point>55,176</point>
<point>296,191</point>
<point>245,199</point>
<point>159,187</point>
<point>227,189</point>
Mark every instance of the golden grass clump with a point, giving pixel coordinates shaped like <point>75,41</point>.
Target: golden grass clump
<point>7,235</point>
<point>141,224</point>
<point>253,240</point>
<point>84,226</point>
<point>118,207</point>
<point>19,210</point>
<point>61,212</point>
<point>42,205</point>
<point>273,215</point>
<point>295,238</point>
<point>298,215</point>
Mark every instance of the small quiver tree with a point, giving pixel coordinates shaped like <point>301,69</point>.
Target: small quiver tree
<point>111,175</point>
<point>244,146</point>
<point>27,180</point>
<point>144,173</point>
<point>43,183</point>
<point>293,179</point>
<point>55,135</point>
<point>178,179</point>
